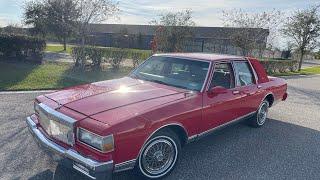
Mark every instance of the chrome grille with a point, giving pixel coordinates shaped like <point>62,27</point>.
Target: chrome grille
<point>56,125</point>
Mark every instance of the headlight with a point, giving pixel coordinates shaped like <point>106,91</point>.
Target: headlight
<point>102,143</point>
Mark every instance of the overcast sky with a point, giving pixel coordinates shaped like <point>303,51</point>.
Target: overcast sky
<point>206,12</point>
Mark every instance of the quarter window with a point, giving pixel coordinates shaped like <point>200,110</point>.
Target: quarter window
<point>244,76</point>
<point>223,76</point>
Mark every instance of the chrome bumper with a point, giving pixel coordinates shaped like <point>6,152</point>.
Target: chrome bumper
<point>69,157</point>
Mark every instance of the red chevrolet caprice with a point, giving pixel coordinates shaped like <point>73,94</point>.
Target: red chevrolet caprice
<point>143,120</point>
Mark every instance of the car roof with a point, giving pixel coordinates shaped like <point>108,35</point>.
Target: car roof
<point>202,56</point>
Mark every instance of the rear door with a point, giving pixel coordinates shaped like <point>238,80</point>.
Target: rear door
<point>247,85</point>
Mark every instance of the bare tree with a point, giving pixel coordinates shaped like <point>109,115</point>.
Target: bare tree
<point>94,11</point>
<point>304,30</point>
<point>254,28</point>
<point>173,30</point>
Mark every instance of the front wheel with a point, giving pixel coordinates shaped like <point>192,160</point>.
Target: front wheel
<point>159,155</point>
<point>259,119</point>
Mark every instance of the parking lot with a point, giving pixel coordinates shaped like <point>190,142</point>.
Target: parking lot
<point>287,147</point>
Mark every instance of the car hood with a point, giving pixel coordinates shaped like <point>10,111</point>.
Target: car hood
<point>102,96</point>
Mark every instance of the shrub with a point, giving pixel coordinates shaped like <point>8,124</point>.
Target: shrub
<point>136,59</point>
<point>79,56</point>
<point>114,56</point>
<point>22,47</point>
<point>274,66</point>
<point>117,57</point>
<point>95,55</point>
<point>317,55</point>
<point>82,56</point>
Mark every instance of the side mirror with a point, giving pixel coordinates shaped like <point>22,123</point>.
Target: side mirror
<point>216,91</point>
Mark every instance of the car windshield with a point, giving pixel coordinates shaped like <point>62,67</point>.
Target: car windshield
<point>177,72</point>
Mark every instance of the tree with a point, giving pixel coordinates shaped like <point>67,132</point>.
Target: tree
<point>35,14</point>
<point>253,28</point>
<point>317,54</point>
<point>15,29</point>
<point>62,19</point>
<point>304,30</point>
<point>174,29</point>
<point>93,12</point>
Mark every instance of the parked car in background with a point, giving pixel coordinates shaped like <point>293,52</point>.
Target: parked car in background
<point>142,121</point>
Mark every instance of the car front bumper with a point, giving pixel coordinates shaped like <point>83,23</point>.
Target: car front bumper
<point>69,157</point>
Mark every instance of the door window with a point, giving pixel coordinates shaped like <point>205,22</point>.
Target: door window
<point>244,75</point>
<point>223,76</point>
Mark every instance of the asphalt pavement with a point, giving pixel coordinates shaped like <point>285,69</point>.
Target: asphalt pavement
<point>287,147</point>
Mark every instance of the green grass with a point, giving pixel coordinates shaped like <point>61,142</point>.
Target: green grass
<point>58,48</point>
<point>306,71</point>
<point>26,76</point>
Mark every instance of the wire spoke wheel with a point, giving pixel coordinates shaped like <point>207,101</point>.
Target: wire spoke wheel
<point>158,157</point>
<point>262,113</point>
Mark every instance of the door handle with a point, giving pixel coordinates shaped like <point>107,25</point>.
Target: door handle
<point>259,86</point>
<point>235,92</point>
<point>249,93</point>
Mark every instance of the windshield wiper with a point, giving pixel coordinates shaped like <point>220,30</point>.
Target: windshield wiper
<point>157,81</point>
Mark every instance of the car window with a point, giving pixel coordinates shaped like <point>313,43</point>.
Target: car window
<point>154,67</point>
<point>177,72</point>
<point>223,76</point>
<point>244,76</point>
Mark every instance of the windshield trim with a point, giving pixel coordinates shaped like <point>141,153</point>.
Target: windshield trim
<point>182,58</point>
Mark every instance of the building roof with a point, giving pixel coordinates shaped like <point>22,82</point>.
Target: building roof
<point>200,32</point>
<point>202,56</point>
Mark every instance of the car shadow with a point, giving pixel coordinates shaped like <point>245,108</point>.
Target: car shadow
<point>279,150</point>
<point>47,174</point>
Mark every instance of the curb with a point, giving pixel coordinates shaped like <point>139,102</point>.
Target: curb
<point>25,92</point>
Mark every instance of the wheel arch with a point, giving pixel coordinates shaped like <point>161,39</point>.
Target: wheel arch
<point>177,128</point>
<point>270,98</point>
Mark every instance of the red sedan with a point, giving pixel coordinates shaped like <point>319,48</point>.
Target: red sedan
<point>142,121</point>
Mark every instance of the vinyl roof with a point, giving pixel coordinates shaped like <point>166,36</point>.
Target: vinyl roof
<point>202,56</point>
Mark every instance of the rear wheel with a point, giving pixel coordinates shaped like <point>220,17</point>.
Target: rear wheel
<point>159,155</point>
<point>259,119</point>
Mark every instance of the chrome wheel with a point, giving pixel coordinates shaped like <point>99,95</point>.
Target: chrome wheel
<point>158,157</point>
<point>262,113</point>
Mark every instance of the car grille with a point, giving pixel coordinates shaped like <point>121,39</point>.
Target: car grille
<point>55,126</point>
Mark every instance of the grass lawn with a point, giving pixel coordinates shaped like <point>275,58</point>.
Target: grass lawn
<point>306,71</point>
<point>58,48</point>
<point>25,76</point>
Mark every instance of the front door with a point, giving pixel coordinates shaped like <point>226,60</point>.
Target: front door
<point>222,107</point>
